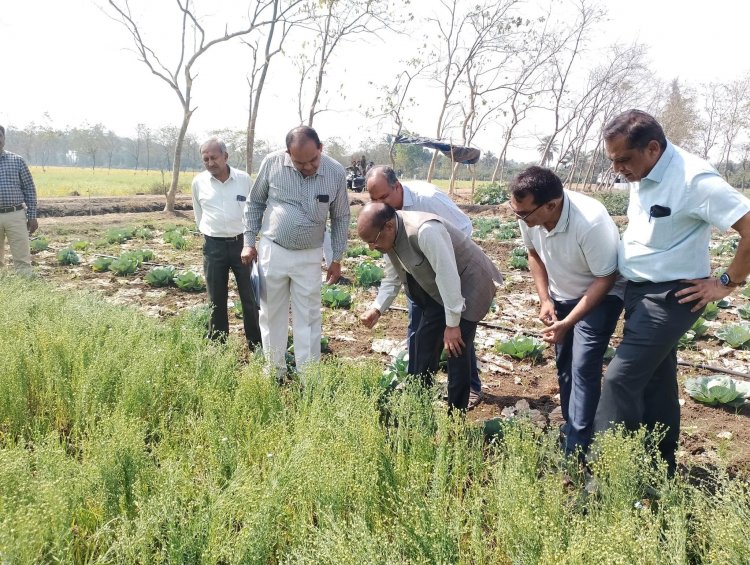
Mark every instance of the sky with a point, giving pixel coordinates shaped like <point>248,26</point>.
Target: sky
<point>67,58</point>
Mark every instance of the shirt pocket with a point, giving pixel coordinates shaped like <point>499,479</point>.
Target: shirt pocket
<point>656,233</point>
<point>317,211</point>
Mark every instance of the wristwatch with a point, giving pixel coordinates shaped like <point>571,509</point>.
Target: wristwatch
<point>724,280</point>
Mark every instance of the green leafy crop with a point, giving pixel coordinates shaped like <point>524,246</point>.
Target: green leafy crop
<point>159,276</point>
<point>124,265</point>
<point>335,296</point>
<point>718,390</point>
<point>368,273</point>
<point>39,244</point>
<point>521,347</point>
<point>190,281</point>
<point>67,256</point>
<point>734,335</point>
<point>361,250</point>
<point>101,264</point>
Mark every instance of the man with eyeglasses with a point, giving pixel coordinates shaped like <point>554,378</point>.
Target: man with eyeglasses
<point>446,274</point>
<point>675,200</point>
<point>419,196</point>
<point>572,244</point>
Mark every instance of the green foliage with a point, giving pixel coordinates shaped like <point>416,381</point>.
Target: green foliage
<point>361,250</point>
<point>101,264</point>
<point>507,232</point>
<point>728,246</point>
<point>718,390</point>
<point>39,244</point>
<point>132,440</point>
<point>493,193</point>
<point>67,256</point>
<point>734,335</point>
<point>368,273</point>
<point>335,296</point>
<point>124,265</point>
<point>484,227</point>
<point>698,329</point>
<point>189,281</point>
<point>616,201</point>
<point>140,255</point>
<point>711,311</point>
<point>744,311</point>
<point>80,245</point>
<point>143,233</point>
<point>518,262</point>
<point>119,235</point>
<point>160,276</point>
<point>176,237</point>
<point>521,347</point>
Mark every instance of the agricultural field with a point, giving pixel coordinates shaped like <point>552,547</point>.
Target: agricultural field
<point>126,437</point>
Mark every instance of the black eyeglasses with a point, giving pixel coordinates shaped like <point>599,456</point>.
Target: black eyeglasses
<point>524,216</point>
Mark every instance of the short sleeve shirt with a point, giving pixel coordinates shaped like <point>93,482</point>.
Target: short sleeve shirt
<point>581,247</point>
<point>691,197</point>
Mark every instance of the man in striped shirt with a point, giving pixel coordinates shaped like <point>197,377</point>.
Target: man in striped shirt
<point>17,208</point>
<point>295,192</point>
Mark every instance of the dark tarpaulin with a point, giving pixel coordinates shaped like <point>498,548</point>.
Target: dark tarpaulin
<point>464,155</point>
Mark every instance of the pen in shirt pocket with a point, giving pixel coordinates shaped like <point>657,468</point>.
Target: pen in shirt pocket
<point>657,211</point>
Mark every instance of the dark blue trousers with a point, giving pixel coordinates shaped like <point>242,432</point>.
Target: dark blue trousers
<point>415,316</point>
<point>579,368</point>
<point>219,257</point>
<point>640,386</point>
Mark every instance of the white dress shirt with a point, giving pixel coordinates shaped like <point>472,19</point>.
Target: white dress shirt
<point>219,206</point>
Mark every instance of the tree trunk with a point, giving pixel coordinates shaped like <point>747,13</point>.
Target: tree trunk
<point>172,194</point>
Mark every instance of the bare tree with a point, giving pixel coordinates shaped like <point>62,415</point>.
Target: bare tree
<point>679,117</point>
<point>333,22</point>
<point>180,78</point>
<point>261,63</point>
<point>735,115</point>
<point>710,123</point>
<point>462,35</point>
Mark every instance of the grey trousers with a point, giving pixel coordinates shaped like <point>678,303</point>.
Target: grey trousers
<point>640,385</point>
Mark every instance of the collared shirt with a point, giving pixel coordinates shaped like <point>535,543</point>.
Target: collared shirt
<point>675,245</point>
<point>420,196</point>
<point>16,185</point>
<point>292,210</point>
<point>582,246</point>
<point>436,245</point>
<point>219,206</point>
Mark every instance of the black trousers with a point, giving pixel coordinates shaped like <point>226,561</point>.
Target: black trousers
<point>219,257</point>
<point>640,385</point>
<point>428,344</point>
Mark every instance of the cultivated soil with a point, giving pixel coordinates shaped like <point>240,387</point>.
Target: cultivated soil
<point>710,437</point>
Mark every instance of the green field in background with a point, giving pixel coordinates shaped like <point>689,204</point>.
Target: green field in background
<point>67,181</point>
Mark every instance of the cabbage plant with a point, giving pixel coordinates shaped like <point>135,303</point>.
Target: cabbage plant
<point>521,347</point>
<point>67,256</point>
<point>335,296</point>
<point>718,390</point>
<point>124,265</point>
<point>190,281</point>
<point>160,276</point>
<point>734,335</point>
<point>39,244</point>
<point>368,273</point>
<point>101,264</point>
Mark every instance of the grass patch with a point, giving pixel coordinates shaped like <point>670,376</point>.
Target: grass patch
<point>124,439</point>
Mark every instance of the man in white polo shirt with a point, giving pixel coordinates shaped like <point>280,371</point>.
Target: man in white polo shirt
<point>572,244</point>
<point>675,199</point>
<point>219,196</point>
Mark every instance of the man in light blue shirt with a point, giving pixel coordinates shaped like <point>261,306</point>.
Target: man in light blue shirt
<point>383,186</point>
<point>675,199</point>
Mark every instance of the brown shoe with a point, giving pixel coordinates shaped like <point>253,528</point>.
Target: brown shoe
<point>475,397</point>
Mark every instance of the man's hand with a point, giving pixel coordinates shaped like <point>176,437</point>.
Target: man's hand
<point>555,333</point>
<point>248,255</point>
<point>334,272</point>
<point>702,290</point>
<point>547,313</point>
<point>370,317</point>
<point>32,225</point>
<point>452,341</point>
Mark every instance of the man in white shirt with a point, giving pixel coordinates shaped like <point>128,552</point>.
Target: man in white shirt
<point>419,196</point>
<point>675,199</point>
<point>446,274</point>
<point>219,196</point>
<point>572,244</point>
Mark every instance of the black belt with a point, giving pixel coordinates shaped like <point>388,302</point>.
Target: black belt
<point>233,238</point>
<point>7,209</point>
